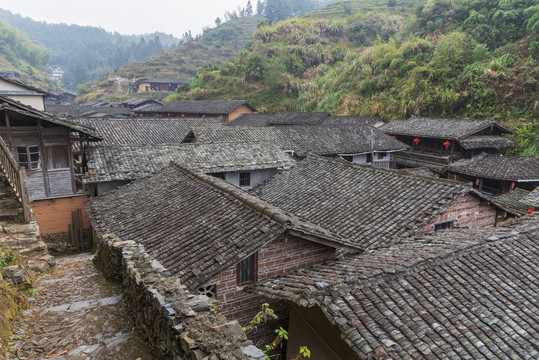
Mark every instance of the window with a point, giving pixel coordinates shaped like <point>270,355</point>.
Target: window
<point>444,225</point>
<point>381,155</point>
<point>245,179</point>
<point>28,156</point>
<point>247,270</point>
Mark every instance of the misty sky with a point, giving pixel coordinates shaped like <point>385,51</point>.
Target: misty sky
<point>128,17</point>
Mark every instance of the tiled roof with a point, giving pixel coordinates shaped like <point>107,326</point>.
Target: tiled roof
<point>512,200</point>
<point>453,129</point>
<point>30,87</point>
<point>486,142</point>
<point>137,131</point>
<point>458,294</point>
<point>250,120</point>
<point>196,225</point>
<point>213,107</point>
<point>166,81</point>
<point>302,118</point>
<point>136,102</point>
<point>366,204</point>
<point>16,106</point>
<point>321,140</point>
<point>420,171</point>
<point>510,168</point>
<point>532,199</point>
<point>298,118</point>
<point>129,162</point>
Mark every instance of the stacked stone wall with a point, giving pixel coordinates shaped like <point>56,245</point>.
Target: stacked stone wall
<point>177,324</point>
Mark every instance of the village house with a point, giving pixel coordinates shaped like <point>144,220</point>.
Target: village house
<point>243,164</point>
<point>216,237</point>
<point>436,143</point>
<point>223,109</point>
<point>497,174</point>
<point>304,118</point>
<point>136,103</point>
<point>38,160</point>
<point>58,97</point>
<point>371,206</point>
<point>356,143</point>
<point>468,293</point>
<point>25,94</point>
<point>160,84</point>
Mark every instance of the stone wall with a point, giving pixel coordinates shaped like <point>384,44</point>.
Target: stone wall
<point>177,324</point>
<point>468,211</point>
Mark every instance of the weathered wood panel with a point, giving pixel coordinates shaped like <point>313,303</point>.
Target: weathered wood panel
<point>35,184</point>
<point>60,181</point>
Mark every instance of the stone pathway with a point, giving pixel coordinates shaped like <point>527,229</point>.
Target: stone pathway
<point>77,314</point>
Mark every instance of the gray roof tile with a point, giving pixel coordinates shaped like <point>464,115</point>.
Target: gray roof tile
<point>185,219</point>
<point>510,168</point>
<point>368,205</point>
<point>129,162</point>
<point>467,293</point>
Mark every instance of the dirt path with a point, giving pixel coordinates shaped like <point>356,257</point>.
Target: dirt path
<point>77,314</point>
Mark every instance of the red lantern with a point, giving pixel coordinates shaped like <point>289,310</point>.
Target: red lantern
<point>512,185</point>
<point>530,211</point>
<point>203,115</point>
<point>183,115</point>
<point>220,116</point>
<point>477,181</point>
<point>394,137</point>
<point>161,115</point>
<point>168,114</point>
<point>447,144</point>
<point>455,177</point>
<point>136,115</point>
<point>417,141</point>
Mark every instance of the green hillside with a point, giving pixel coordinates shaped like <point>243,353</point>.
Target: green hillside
<point>23,57</point>
<point>461,58</point>
<point>345,8</point>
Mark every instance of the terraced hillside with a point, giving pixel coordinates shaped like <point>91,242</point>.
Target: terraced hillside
<point>350,7</point>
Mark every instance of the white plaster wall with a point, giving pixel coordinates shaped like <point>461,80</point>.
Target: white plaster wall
<point>257,176</point>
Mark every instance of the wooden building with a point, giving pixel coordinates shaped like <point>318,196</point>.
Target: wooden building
<point>37,158</point>
<point>26,94</point>
<point>436,143</point>
<point>223,109</point>
<point>160,84</point>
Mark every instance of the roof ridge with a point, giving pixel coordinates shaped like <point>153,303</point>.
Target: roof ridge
<point>274,213</point>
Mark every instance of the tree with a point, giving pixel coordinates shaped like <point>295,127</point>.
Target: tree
<point>249,8</point>
<point>259,7</point>
<point>218,21</point>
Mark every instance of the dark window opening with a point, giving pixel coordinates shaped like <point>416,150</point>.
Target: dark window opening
<point>218,175</point>
<point>245,179</point>
<point>444,225</point>
<point>381,155</point>
<point>247,270</point>
<point>28,156</point>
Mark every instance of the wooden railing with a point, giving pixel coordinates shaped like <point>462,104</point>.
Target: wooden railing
<point>16,176</point>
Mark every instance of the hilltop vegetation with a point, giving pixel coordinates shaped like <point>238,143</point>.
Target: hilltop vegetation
<point>461,58</point>
<point>20,55</point>
<point>87,53</point>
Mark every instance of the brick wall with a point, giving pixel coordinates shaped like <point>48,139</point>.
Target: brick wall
<point>54,215</point>
<point>234,114</point>
<point>468,211</point>
<point>275,258</point>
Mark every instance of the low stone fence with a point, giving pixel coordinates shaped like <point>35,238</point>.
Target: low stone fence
<point>177,324</point>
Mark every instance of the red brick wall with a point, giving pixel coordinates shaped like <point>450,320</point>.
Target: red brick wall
<point>54,215</point>
<point>469,211</point>
<point>274,259</point>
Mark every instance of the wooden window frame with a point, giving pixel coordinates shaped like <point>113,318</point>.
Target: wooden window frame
<point>245,174</point>
<point>254,271</point>
<point>28,163</point>
<point>448,225</point>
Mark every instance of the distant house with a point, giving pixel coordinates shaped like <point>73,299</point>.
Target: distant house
<point>136,102</point>
<point>304,118</point>
<point>370,206</point>
<point>215,236</point>
<point>356,143</point>
<point>497,174</point>
<point>37,148</point>
<point>62,97</point>
<point>465,294</point>
<point>436,143</point>
<point>226,110</point>
<point>25,94</point>
<point>160,84</point>
<point>244,165</point>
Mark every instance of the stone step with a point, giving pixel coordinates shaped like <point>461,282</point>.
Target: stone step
<point>34,248</point>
